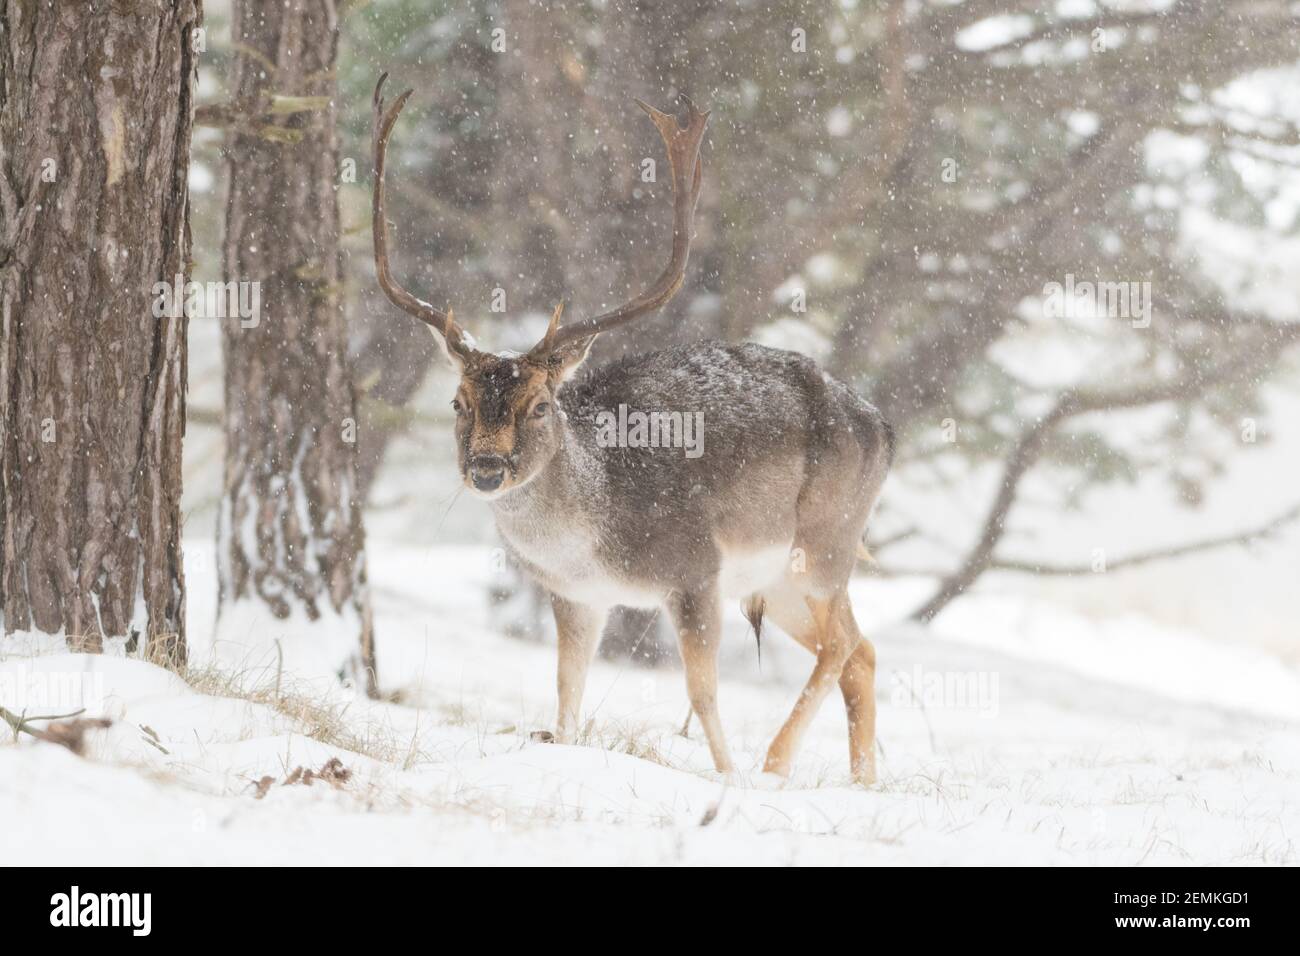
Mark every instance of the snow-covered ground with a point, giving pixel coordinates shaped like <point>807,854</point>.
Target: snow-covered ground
<point>1013,733</point>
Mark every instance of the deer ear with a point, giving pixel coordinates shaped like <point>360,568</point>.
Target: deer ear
<point>456,345</point>
<point>453,357</point>
<point>562,364</point>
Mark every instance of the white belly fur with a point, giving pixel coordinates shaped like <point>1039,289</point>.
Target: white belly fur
<point>566,556</point>
<point>750,570</point>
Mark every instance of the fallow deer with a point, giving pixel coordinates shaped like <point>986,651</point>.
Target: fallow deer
<point>772,512</point>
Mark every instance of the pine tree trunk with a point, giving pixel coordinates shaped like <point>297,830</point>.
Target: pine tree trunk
<point>95,116</point>
<point>291,546</point>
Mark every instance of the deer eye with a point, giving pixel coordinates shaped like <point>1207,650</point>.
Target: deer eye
<point>541,409</point>
<point>457,407</point>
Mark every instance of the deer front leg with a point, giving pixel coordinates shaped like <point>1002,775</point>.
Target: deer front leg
<point>698,619</point>
<point>578,629</point>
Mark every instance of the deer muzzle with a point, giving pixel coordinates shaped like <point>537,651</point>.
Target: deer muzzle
<point>487,472</point>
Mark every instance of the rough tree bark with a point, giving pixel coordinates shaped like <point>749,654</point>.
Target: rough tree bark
<point>95,117</point>
<point>291,545</point>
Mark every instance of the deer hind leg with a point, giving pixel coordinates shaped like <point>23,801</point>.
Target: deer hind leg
<point>821,628</point>
<point>698,619</point>
<point>578,630</point>
<point>858,685</point>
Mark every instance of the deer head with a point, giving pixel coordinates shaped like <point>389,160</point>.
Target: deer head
<point>508,419</point>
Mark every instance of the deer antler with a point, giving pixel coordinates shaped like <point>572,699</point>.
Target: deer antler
<point>683,145</point>
<point>443,322</point>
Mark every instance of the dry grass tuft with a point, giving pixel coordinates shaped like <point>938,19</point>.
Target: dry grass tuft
<point>319,716</point>
<point>635,740</point>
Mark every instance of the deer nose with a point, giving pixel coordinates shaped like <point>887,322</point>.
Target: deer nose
<point>487,472</point>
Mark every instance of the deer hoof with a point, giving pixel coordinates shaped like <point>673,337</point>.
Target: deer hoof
<point>776,765</point>
<point>865,775</point>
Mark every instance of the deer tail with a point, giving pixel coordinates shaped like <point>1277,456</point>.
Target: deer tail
<point>754,607</point>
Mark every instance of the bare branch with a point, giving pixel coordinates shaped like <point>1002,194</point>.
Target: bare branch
<point>1021,459</point>
<point>254,119</point>
<point>61,730</point>
<point>1260,532</point>
<point>1073,402</point>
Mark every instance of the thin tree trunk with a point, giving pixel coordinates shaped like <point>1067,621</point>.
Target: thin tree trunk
<point>443,212</point>
<point>397,354</point>
<point>594,232</point>
<point>625,229</point>
<point>291,546</point>
<point>95,117</point>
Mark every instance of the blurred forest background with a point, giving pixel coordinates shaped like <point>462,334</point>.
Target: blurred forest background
<point>890,187</point>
